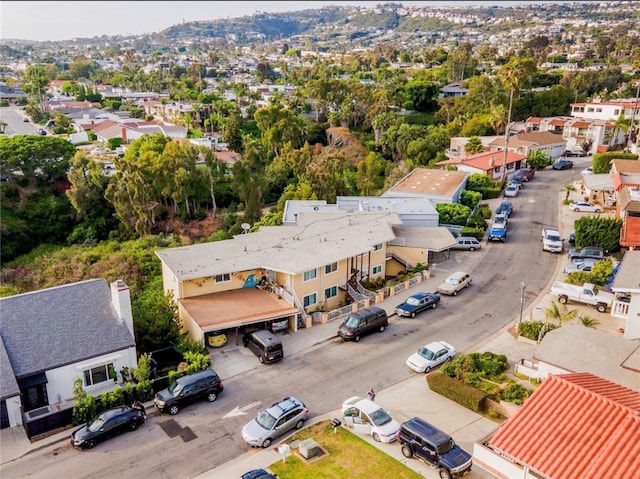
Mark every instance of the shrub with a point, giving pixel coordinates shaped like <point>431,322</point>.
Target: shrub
<point>531,329</point>
<point>477,221</point>
<point>457,391</point>
<point>485,211</point>
<point>477,233</point>
<point>515,393</point>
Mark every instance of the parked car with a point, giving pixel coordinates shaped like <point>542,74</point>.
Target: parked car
<point>366,417</point>
<point>278,325</point>
<point>107,424</point>
<point>500,220</point>
<point>588,252</point>
<point>187,389</point>
<point>587,171</point>
<point>429,356</point>
<point>505,208</point>
<point>363,322</point>
<point>585,207</point>
<point>435,447</point>
<point>527,174</point>
<point>572,238</point>
<point>265,345</point>
<point>417,303</point>
<point>258,474</point>
<point>467,243</point>
<point>580,153</point>
<point>511,191</point>
<point>584,266</point>
<point>562,164</point>
<point>284,415</point>
<point>516,180</point>
<point>454,283</point>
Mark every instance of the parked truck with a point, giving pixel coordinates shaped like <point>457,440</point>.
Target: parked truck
<point>551,240</point>
<point>498,232</point>
<point>588,293</point>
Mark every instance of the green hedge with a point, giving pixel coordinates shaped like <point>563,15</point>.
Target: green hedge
<point>457,391</point>
<point>88,406</point>
<point>477,233</point>
<point>489,193</point>
<point>602,161</point>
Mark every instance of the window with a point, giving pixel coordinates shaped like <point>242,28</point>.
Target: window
<point>331,268</point>
<point>223,278</point>
<point>377,269</point>
<point>309,300</point>
<point>309,275</point>
<point>331,292</point>
<point>377,247</point>
<point>97,375</point>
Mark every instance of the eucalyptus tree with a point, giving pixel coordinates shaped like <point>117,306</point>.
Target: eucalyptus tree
<point>35,83</point>
<point>249,179</point>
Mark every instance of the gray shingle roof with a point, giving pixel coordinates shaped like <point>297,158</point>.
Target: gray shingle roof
<point>8,384</point>
<point>53,327</point>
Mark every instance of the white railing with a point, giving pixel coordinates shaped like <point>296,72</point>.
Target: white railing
<point>355,294</point>
<point>364,291</point>
<point>620,309</point>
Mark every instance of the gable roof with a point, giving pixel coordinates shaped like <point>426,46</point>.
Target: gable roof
<point>531,138</point>
<point>72,323</point>
<point>485,161</point>
<point>575,426</point>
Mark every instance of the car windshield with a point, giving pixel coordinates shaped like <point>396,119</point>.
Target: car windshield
<point>553,237</point>
<point>426,353</point>
<point>175,388</point>
<point>96,423</point>
<point>452,281</point>
<point>352,322</point>
<point>380,417</point>
<point>266,420</point>
<point>413,301</point>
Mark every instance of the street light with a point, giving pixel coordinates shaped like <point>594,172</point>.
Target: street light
<point>524,285</point>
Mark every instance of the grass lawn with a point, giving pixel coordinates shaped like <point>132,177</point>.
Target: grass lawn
<point>348,457</point>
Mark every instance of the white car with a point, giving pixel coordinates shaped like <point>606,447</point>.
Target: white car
<point>366,417</point>
<point>511,191</point>
<point>585,207</point>
<point>587,171</point>
<point>429,356</point>
<point>584,266</point>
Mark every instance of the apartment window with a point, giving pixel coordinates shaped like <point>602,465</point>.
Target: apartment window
<point>331,292</point>
<point>590,109</point>
<point>223,278</point>
<point>309,300</point>
<point>377,269</point>
<point>377,247</point>
<point>331,268</point>
<point>309,275</point>
<point>616,112</point>
<point>97,375</point>
<point>599,110</point>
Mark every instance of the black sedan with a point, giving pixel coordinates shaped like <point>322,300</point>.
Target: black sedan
<point>107,424</point>
<point>562,165</point>
<point>416,303</point>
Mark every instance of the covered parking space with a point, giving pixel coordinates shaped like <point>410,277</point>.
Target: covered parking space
<point>232,310</point>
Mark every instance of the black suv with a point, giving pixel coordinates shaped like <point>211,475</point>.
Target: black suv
<point>436,448</point>
<point>187,389</point>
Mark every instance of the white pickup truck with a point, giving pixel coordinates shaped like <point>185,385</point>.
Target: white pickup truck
<point>588,293</point>
<point>551,240</point>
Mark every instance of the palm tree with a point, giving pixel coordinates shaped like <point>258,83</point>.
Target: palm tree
<point>559,313</point>
<point>588,321</point>
<point>568,189</point>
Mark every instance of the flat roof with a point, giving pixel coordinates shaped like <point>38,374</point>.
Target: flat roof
<point>314,241</point>
<point>425,181</point>
<point>235,308</point>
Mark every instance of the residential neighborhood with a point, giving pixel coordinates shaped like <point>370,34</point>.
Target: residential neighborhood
<point>257,196</point>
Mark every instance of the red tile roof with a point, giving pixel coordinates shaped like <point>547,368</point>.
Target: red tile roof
<point>576,426</point>
<point>581,124</point>
<point>557,122</point>
<point>486,160</point>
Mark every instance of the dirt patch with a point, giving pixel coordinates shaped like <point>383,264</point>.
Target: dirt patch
<point>193,231</point>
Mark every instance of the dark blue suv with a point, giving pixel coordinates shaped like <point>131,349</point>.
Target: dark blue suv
<point>435,447</point>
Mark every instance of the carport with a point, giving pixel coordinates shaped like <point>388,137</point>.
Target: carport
<point>232,310</point>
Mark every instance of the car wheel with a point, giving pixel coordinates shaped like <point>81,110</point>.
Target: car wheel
<point>472,249</point>
<point>376,437</point>
<point>413,315</point>
<point>173,410</point>
<point>427,369</point>
<point>212,397</point>
<point>598,210</point>
<point>299,424</point>
<point>562,299</point>
<point>133,425</point>
<point>455,293</point>
<point>357,338</point>
<point>434,306</point>
<point>406,451</point>
<point>449,358</point>
<point>601,308</point>
<point>382,329</point>
<point>91,443</point>
<point>444,474</point>
<point>261,359</point>
<point>266,443</point>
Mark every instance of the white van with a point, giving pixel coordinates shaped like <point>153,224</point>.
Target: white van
<point>467,242</point>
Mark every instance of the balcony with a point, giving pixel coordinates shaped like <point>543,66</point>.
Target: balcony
<point>620,307</point>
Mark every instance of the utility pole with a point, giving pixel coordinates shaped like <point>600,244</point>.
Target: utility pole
<point>506,139</point>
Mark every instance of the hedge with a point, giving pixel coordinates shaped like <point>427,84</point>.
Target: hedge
<point>457,391</point>
<point>602,161</point>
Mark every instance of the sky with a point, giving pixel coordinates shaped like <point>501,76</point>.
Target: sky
<point>64,20</point>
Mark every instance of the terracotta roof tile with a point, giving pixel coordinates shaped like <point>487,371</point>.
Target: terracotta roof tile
<point>576,426</point>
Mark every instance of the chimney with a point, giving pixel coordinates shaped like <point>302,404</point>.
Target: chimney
<point>121,300</point>
<point>123,132</point>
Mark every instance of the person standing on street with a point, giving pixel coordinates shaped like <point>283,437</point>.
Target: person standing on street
<point>372,394</point>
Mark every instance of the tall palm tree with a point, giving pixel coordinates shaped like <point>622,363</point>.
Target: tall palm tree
<point>568,189</point>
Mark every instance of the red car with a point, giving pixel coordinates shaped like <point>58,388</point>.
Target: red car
<point>526,174</point>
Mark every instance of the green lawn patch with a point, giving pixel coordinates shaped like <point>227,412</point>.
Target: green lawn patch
<point>348,457</point>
